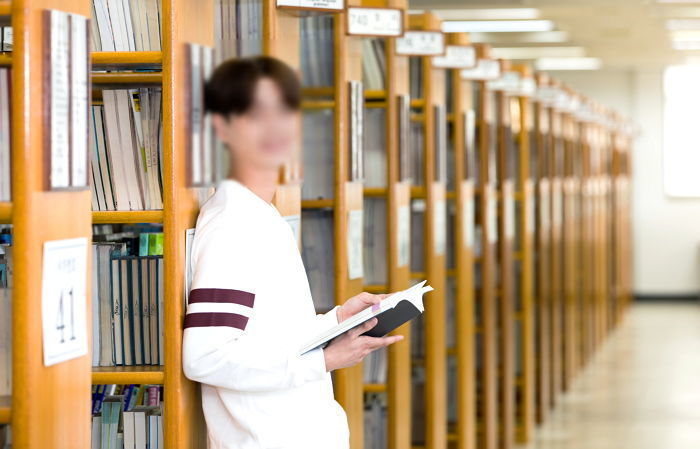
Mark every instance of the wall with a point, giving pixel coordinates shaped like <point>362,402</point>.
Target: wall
<point>666,230</point>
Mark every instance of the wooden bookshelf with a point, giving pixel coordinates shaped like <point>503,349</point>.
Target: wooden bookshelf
<point>5,212</point>
<point>396,195</point>
<point>124,60</point>
<point>54,398</point>
<point>522,122</point>
<point>5,403</point>
<point>487,378</point>
<point>542,249</point>
<point>140,216</point>
<point>464,145</point>
<point>435,386</point>
<point>127,375</point>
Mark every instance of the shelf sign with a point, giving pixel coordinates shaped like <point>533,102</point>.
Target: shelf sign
<point>335,5</point>
<point>66,73</point>
<point>456,57</point>
<point>64,300</point>
<point>486,69</point>
<point>355,244</point>
<point>440,222</point>
<point>421,43</point>
<point>201,154</point>
<point>375,22</point>
<point>508,82</point>
<point>404,236</point>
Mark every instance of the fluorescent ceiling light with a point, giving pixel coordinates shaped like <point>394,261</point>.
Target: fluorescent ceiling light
<point>685,35</point>
<point>683,24</point>
<point>686,45</point>
<point>677,1</point>
<point>488,14</point>
<point>538,52</point>
<point>544,37</point>
<point>496,26</point>
<point>568,64</point>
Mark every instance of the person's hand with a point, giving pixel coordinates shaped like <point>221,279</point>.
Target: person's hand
<point>351,347</point>
<point>357,304</point>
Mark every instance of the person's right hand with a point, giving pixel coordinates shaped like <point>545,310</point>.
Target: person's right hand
<point>351,347</point>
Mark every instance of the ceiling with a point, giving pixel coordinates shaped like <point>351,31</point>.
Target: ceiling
<point>622,33</point>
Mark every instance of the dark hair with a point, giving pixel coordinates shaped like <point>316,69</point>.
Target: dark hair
<point>231,88</point>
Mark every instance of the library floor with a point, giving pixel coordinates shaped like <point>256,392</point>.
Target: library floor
<point>642,390</point>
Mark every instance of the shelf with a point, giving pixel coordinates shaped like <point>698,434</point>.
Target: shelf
<point>107,80</point>
<point>5,402</point>
<point>451,195</point>
<point>318,91</point>
<point>317,104</point>
<point>317,204</point>
<point>5,59</point>
<point>374,191</point>
<point>374,388</point>
<point>417,192</point>
<point>375,95</point>
<point>452,273</point>
<point>5,213</point>
<point>5,11</point>
<point>127,216</point>
<point>127,59</point>
<point>417,275</point>
<point>127,375</point>
<point>376,288</point>
<point>417,103</point>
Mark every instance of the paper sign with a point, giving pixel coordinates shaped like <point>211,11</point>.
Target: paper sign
<point>64,300</point>
<point>355,245</point>
<point>486,69</point>
<point>404,236</point>
<point>421,43</point>
<point>312,4</point>
<point>456,57</point>
<point>374,22</point>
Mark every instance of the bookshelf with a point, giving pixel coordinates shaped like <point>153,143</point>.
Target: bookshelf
<point>487,235</point>
<point>391,196</point>
<point>431,181</point>
<point>542,247</point>
<point>505,297</point>
<point>523,136</point>
<point>461,205</point>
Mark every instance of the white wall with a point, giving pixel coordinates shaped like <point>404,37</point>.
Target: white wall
<point>667,230</point>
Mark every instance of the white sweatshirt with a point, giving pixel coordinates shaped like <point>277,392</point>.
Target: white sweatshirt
<point>249,312</point>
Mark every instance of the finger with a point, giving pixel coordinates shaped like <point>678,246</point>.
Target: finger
<point>370,299</point>
<point>379,342</point>
<point>364,327</point>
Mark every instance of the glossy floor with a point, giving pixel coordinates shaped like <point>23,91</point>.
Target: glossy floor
<point>641,391</point>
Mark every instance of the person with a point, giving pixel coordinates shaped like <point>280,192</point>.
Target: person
<point>250,308</point>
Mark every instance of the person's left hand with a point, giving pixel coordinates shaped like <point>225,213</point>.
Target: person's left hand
<point>357,304</point>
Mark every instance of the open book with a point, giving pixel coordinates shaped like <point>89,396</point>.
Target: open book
<point>391,312</point>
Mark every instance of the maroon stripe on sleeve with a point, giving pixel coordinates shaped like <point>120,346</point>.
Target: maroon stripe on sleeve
<point>222,295</point>
<point>216,319</point>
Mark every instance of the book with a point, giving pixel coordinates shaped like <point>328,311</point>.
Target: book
<point>391,313</point>
<point>237,28</point>
<point>5,147</point>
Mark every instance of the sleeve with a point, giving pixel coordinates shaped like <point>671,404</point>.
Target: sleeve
<point>216,348</point>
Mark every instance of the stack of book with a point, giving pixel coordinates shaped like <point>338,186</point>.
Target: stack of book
<point>126,138</point>
<point>5,315</point>
<point>374,239</point>
<point>375,157</point>
<point>127,416</point>
<point>5,38</point>
<point>5,169</point>
<point>417,152</point>
<point>373,63</point>
<point>317,59</point>
<point>375,429</point>
<point>374,367</point>
<point>126,25</point>
<point>318,154</point>
<point>127,301</point>
<point>318,255</point>
<point>237,28</point>
<point>416,76</point>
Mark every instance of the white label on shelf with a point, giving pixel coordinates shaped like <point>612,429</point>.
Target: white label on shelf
<point>375,22</point>
<point>64,300</point>
<point>79,99</point>
<point>313,4</point>
<point>486,69</point>
<point>440,221</point>
<point>468,222</point>
<point>189,272</point>
<point>355,244</point>
<point>456,57</point>
<point>421,43</point>
<point>404,236</point>
<point>59,99</point>
<point>294,221</point>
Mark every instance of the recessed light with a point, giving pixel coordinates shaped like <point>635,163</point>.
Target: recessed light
<point>554,64</point>
<point>544,37</point>
<point>488,14</point>
<point>497,26</point>
<point>538,52</point>
<point>683,24</point>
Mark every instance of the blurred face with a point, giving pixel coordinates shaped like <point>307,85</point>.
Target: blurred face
<point>263,137</point>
